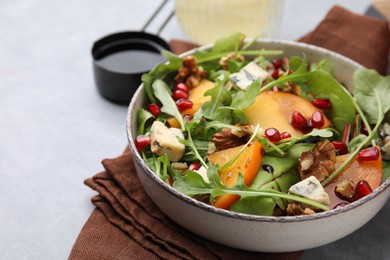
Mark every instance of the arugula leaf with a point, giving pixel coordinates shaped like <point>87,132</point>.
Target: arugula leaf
<point>356,142</point>
<point>202,147</point>
<point>160,71</point>
<point>229,43</point>
<point>160,166</point>
<point>219,96</point>
<point>385,170</point>
<point>323,85</point>
<point>262,206</point>
<point>142,117</point>
<point>163,93</point>
<point>324,65</point>
<point>219,125</point>
<point>192,183</point>
<point>243,99</point>
<point>371,90</point>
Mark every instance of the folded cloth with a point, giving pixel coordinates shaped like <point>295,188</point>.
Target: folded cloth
<point>363,39</point>
<point>127,225</point>
<point>137,229</point>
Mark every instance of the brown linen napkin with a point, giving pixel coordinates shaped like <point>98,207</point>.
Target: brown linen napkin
<point>127,225</point>
<point>138,229</point>
<point>363,39</point>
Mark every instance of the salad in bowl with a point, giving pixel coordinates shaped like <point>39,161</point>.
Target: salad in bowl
<point>242,130</point>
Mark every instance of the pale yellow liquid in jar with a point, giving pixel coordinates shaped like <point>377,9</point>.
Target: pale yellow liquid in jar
<point>204,21</point>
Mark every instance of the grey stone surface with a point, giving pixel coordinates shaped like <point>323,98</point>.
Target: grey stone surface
<point>55,128</point>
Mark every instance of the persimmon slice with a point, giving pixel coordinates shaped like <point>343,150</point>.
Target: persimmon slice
<point>247,163</point>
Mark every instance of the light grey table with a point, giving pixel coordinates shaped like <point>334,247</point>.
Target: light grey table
<point>55,128</point>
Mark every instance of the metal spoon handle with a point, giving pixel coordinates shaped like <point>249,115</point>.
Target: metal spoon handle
<point>151,18</point>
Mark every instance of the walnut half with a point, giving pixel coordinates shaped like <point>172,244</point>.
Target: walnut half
<point>229,138</point>
<point>226,139</point>
<point>295,209</point>
<point>190,73</point>
<point>320,162</point>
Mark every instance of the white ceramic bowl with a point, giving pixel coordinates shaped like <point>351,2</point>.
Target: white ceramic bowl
<point>260,233</point>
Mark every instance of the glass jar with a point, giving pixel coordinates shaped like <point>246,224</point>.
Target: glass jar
<point>204,21</point>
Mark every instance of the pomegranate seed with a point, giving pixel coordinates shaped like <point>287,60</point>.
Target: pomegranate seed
<point>369,154</point>
<point>285,135</point>
<point>309,127</point>
<point>182,87</point>
<point>141,142</point>
<point>276,89</point>
<point>170,180</point>
<point>322,103</point>
<point>340,205</point>
<point>183,104</point>
<point>194,166</point>
<point>275,74</point>
<point>272,134</point>
<point>277,64</point>
<point>362,189</point>
<point>154,109</point>
<point>298,120</point>
<point>317,119</point>
<point>178,94</point>
<point>187,117</point>
<point>340,147</point>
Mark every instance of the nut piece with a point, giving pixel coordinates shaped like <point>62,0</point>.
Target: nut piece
<point>295,209</point>
<point>223,62</point>
<point>226,139</point>
<point>345,189</point>
<point>190,73</point>
<point>319,162</point>
<point>182,167</point>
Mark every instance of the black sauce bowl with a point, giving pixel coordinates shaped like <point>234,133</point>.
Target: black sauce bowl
<point>119,85</point>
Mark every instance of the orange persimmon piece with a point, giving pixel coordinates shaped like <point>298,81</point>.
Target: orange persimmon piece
<point>173,122</point>
<point>247,163</point>
<point>275,109</point>
<point>370,171</point>
<point>197,97</point>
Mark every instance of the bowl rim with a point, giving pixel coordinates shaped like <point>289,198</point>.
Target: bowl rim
<point>235,215</point>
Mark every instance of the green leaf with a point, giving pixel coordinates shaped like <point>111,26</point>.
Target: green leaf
<point>174,61</point>
<point>356,142</point>
<point>142,117</point>
<point>263,206</point>
<point>192,184</point>
<point>163,93</point>
<point>219,125</point>
<point>385,170</point>
<point>371,91</point>
<point>229,43</point>
<point>243,99</point>
<point>219,96</point>
<point>202,147</point>
<point>160,71</point>
<point>324,65</point>
<point>323,85</point>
